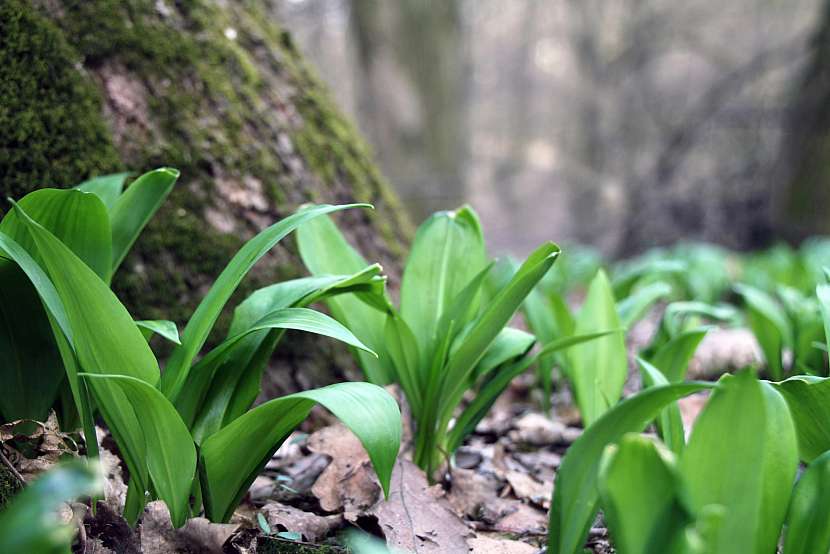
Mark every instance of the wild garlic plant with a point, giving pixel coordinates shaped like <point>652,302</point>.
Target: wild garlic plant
<point>450,335</point>
<point>190,436</point>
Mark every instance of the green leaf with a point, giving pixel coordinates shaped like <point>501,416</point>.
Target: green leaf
<point>30,367</point>
<point>770,326</point>
<point>633,307</point>
<point>503,375</point>
<point>640,491</point>
<point>236,383</point>
<point>742,455</point>
<point>103,335</point>
<point>232,457</point>
<point>508,345</point>
<point>598,370</point>
<point>823,293</point>
<point>809,401</point>
<point>402,347</point>
<point>32,389</point>
<point>447,253</point>
<point>30,522</point>
<point>325,251</point>
<point>539,316</point>
<point>677,312</point>
<point>673,357</point>
<point>484,330</point>
<point>300,319</point>
<point>169,449</point>
<point>575,495</point>
<point>30,364</point>
<point>808,521</point>
<point>203,319</point>
<point>134,208</point>
<point>670,423</point>
<point>106,187</point>
<point>78,219</point>
<point>161,327</point>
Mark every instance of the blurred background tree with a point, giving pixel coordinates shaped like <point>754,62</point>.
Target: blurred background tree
<point>620,123</point>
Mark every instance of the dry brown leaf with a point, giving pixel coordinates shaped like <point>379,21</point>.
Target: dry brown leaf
<point>33,447</point>
<point>527,488</point>
<point>349,482</point>
<point>197,535</point>
<point>474,494</point>
<point>537,429</point>
<point>312,527</point>
<point>487,545</point>
<point>524,520</point>
<point>417,517</point>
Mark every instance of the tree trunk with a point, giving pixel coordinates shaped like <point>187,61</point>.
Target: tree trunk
<point>803,183</point>
<point>413,96</point>
<point>217,90</point>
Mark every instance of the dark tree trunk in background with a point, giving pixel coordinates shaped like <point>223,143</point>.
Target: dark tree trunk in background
<point>217,90</point>
<point>412,95</point>
<point>803,203</point>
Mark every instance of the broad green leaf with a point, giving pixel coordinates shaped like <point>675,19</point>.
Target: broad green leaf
<point>575,495</point>
<point>300,319</point>
<point>501,378</point>
<point>12,251</point>
<point>808,521</point>
<point>169,449</point>
<point>134,208</point>
<point>106,187</point>
<point>809,401</point>
<point>325,251</point>
<point>640,491</point>
<point>770,326</point>
<point>633,307</point>
<point>402,348</point>
<point>160,327</point>
<point>742,455</point>
<point>447,253</point>
<point>236,382</point>
<point>672,358</point>
<point>232,457</point>
<point>78,219</point>
<point>30,523</point>
<point>103,335</point>
<point>30,364</point>
<point>677,312</point>
<point>670,423</point>
<point>823,293</point>
<point>598,370</point>
<point>198,328</point>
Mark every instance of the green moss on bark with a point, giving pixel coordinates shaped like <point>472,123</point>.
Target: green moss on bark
<point>51,130</point>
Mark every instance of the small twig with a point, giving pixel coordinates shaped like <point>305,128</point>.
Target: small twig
<point>11,468</point>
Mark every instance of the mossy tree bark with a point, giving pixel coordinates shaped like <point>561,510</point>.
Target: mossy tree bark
<point>217,90</point>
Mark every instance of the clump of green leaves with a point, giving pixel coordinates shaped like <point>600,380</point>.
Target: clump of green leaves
<point>158,421</point>
<point>727,490</point>
<point>450,334</point>
<point>99,221</point>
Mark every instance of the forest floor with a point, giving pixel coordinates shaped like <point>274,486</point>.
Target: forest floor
<point>494,500</point>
